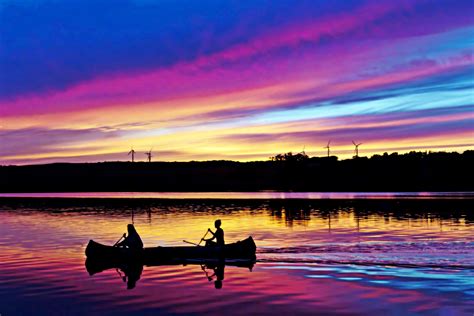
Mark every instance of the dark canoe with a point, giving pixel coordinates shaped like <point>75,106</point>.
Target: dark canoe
<point>244,249</point>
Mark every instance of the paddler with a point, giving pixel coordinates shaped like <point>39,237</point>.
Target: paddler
<point>218,235</point>
<point>133,240</point>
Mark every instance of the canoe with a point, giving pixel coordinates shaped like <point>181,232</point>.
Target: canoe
<point>244,249</point>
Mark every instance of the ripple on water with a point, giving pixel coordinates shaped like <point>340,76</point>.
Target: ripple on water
<point>309,260</point>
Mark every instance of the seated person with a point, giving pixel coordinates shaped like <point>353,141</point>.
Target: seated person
<point>218,235</point>
<point>133,240</point>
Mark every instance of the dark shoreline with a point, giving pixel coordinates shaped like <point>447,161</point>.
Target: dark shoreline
<point>413,172</point>
<point>458,209</point>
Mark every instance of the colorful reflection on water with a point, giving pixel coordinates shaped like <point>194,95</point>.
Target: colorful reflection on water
<point>337,257</point>
<point>265,195</point>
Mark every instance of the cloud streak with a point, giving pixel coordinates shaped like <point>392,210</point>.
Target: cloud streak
<point>131,79</point>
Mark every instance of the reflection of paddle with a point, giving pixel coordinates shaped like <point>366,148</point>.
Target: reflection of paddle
<point>123,236</point>
<point>124,278</point>
<point>203,268</point>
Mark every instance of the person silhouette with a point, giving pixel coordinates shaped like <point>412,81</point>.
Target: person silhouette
<point>218,273</point>
<point>133,240</point>
<point>218,235</point>
<point>132,273</point>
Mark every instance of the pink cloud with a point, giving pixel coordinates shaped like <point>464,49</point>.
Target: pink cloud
<point>241,67</point>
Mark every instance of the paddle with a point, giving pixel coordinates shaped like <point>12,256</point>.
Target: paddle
<point>123,236</point>
<point>192,243</point>
<point>207,231</point>
<point>199,244</point>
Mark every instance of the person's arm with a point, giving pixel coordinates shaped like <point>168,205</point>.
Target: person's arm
<point>117,243</point>
<point>213,235</point>
<point>123,243</point>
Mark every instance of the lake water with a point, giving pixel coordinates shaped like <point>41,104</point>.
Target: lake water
<point>371,256</point>
<point>262,195</point>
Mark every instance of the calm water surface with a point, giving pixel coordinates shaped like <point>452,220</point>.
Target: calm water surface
<point>348,257</point>
<point>249,195</point>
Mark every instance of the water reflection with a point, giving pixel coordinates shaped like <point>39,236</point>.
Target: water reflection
<point>217,276</point>
<point>349,257</point>
<point>131,272</point>
<point>261,195</point>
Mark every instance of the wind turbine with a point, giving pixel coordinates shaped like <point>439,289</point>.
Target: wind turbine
<point>327,146</point>
<point>132,152</point>
<point>356,148</point>
<point>149,155</point>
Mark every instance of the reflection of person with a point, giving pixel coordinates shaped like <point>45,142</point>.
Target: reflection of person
<point>218,274</point>
<point>133,240</point>
<point>218,235</point>
<point>132,273</point>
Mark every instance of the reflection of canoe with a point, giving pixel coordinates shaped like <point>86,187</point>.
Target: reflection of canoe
<point>94,266</point>
<point>131,271</point>
<point>244,249</point>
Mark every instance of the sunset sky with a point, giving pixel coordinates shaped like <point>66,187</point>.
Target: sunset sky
<point>84,81</point>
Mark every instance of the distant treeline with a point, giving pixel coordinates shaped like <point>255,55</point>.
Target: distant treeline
<point>414,171</point>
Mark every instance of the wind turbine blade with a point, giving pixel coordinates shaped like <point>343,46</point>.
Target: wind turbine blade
<point>354,143</point>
